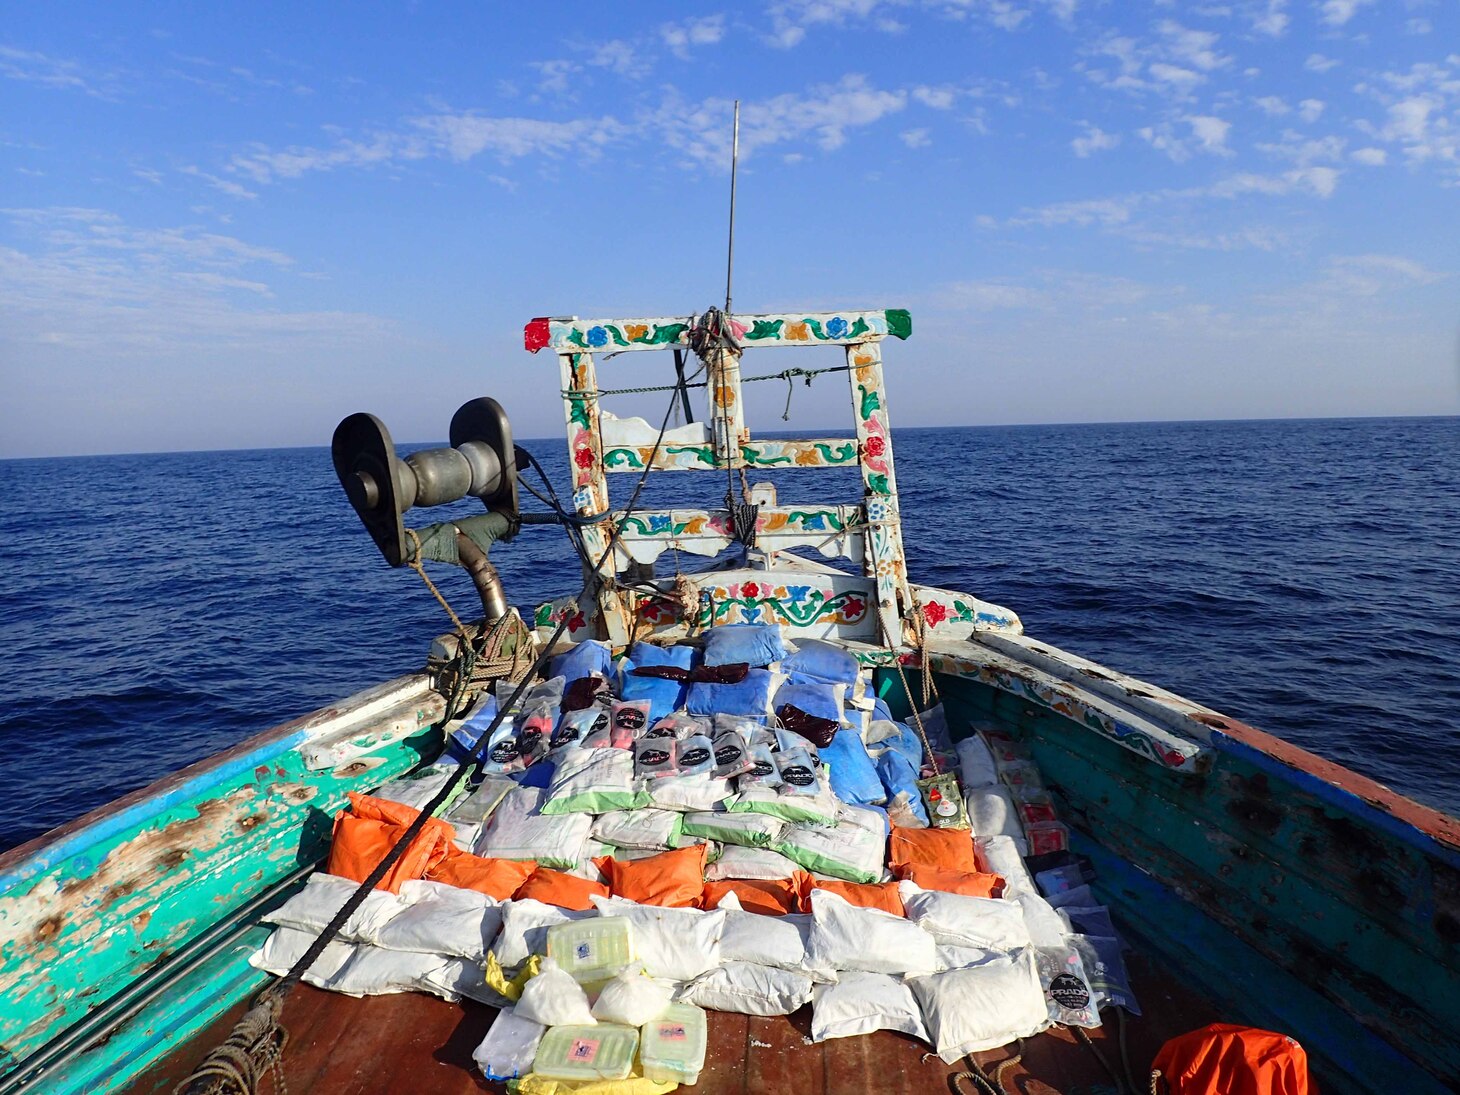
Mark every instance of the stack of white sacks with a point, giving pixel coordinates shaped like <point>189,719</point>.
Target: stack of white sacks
<point>963,973</point>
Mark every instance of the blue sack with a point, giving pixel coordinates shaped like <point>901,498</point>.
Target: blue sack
<point>900,775</point>
<point>682,657</point>
<point>664,696</point>
<point>818,700</point>
<point>587,658</point>
<point>905,742</point>
<point>823,661</point>
<point>753,644</point>
<point>750,698</point>
<point>537,775</point>
<point>853,775</point>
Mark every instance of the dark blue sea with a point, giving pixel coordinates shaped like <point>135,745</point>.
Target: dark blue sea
<point>1303,576</point>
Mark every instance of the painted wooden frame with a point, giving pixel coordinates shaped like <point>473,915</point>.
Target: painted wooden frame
<point>869,531</point>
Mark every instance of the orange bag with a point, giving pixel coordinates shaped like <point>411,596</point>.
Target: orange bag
<point>767,896</point>
<point>1224,1059</point>
<point>364,835</point>
<point>566,891</point>
<point>497,878</point>
<point>946,849</point>
<point>675,879</point>
<point>869,895</point>
<point>973,884</point>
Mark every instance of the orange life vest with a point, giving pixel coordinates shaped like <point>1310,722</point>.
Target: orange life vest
<point>1224,1059</point>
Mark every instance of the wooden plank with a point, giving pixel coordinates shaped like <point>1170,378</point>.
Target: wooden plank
<point>781,329</point>
<point>834,531</point>
<point>771,454</point>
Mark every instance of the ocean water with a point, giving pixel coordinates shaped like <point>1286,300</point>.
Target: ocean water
<point>1303,576</point>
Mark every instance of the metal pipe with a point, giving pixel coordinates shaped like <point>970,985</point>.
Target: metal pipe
<point>484,576</point>
<point>734,159</point>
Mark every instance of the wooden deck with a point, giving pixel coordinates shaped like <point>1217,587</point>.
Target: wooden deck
<point>413,1043</point>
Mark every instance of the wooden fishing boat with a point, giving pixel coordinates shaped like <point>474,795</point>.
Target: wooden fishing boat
<point>1258,883</point>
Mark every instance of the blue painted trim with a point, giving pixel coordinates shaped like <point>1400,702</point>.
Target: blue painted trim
<point>1339,798</point>
<point>47,858</point>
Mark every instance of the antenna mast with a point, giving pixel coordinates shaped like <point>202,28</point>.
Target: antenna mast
<point>734,160</point>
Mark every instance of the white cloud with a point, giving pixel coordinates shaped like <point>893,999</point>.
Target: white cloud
<point>1105,212</point>
<point>1272,20</point>
<point>791,19</point>
<point>1183,79</point>
<point>1304,151</point>
<point>1370,275</point>
<point>939,98</point>
<point>1316,62</point>
<point>1195,47</point>
<point>554,77</point>
<point>1163,140</point>
<point>1370,157</point>
<point>1418,26</point>
<point>46,71</point>
<point>621,57</point>
<point>1094,140</point>
<point>682,37</point>
<point>1272,106</point>
<point>1310,109</point>
<point>231,187</point>
<point>915,138</point>
<point>1338,12</point>
<point>1211,133</point>
<point>464,136</point>
<point>90,281</point>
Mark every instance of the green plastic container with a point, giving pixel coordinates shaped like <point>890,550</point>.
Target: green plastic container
<point>672,1047</point>
<point>592,950</point>
<point>604,1051</point>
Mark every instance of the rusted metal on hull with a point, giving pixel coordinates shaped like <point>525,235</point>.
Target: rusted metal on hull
<point>87,909</point>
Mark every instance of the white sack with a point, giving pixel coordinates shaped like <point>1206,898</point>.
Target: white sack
<point>1046,929</point>
<point>989,923</point>
<point>859,1003</point>
<point>976,763</point>
<point>991,812</point>
<point>853,849</point>
<point>971,1010</point>
<point>848,937</point>
<point>689,793</point>
<point>958,958</point>
<point>373,971</point>
<point>745,829</point>
<point>737,862</point>
<point>643,828</point>
<point>679,944</point>
<point>518,830</point>
<point>1000,855</point>
<point>524,929</point>
<point>748,989</point>
<point>287,945</point>
<point>765,940</point>
<point>441,919</point>
<point>323,895</point>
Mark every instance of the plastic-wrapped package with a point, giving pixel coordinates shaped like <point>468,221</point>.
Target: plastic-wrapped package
<point>695,756</point>
<point>477,806</point>
<point>627,720</point>
<point>819,808</point>
<point>677,725</point>
<point>763,770</point>
<point>589,657</point>
<point>655,758</point>
<point>689,793</point>
<point>825,661</point>
<point>553,998</point>
<point>503,756</point>
<point>642,828</point>
<point>753,644</point>
<point>592,949</point>
<point>1067,991</point>
<point>852,849</point>
<point>510,1046</point>
<point>579,1054</point>
<point>852,772</point>
<point>633,998</point>
<point>1088,920</point>
<point>1105,970</point>
<point>576,727</point>
<point>672,1047</point>
<point>732,754</point>
<point>797,771</point>
<point>524,930</point>
<point>992,813</point>
<point>1079,897</point>
<point>899,777</point>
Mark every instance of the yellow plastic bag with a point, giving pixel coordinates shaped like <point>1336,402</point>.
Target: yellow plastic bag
<point>511,988</point>
<point>533,1084</point>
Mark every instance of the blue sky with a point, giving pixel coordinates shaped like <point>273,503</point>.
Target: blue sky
<point>230,228</point>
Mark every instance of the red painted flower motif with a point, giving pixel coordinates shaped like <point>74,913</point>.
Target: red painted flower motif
<point>583,457</point>
<point>750,589</point>
<point>874,446</point>
<point>854,608</point>
<point>576,622</point>
<point>934,613</point>
<point>536,335</point>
